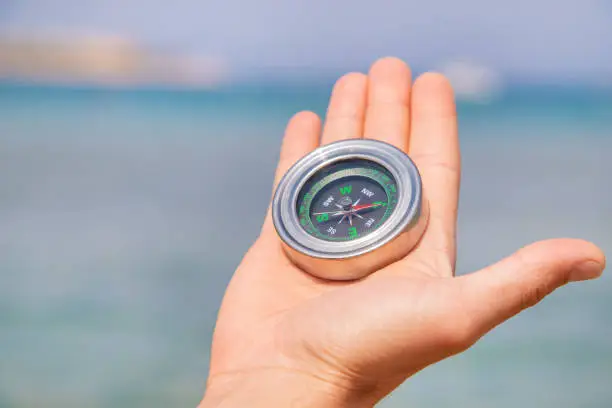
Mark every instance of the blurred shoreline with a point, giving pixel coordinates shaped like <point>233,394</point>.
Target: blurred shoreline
<point>103,61</point>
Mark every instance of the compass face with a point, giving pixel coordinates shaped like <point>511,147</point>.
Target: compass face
<point>347,200</point>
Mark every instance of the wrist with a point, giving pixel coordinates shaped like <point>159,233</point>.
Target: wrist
<point>279,388</point>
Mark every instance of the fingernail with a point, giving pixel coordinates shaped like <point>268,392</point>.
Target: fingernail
<point>585,271</point>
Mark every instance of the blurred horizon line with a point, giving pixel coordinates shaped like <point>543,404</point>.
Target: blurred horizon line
<point>96,60</point>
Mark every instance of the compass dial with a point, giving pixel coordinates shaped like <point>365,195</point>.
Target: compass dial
<point>347,200</point>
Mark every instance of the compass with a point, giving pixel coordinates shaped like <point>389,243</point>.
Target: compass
<point>349,208</point>
<point>347,200</point>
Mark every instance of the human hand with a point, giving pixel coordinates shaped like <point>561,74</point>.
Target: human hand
<point>285,338</point>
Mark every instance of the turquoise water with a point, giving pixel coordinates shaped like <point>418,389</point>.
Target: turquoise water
<point>113,258</point>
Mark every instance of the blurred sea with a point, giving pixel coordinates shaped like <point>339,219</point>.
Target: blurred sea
<point>118,234</point>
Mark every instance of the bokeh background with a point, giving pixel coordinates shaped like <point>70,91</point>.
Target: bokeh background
<point>137,144</point>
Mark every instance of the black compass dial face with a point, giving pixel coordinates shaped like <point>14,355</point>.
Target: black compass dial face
<point>347,200</point>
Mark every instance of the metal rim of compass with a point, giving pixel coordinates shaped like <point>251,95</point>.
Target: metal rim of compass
<point>405,215</point>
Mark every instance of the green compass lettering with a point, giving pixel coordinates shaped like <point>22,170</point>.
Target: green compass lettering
<point>346,190</point>
<point>347,200</point>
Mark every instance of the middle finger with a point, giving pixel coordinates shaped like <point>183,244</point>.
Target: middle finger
<point>388,108</point>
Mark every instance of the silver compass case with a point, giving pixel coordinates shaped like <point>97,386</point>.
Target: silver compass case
<point>346,260</point>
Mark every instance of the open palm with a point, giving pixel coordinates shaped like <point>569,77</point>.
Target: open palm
<point>351,343</point>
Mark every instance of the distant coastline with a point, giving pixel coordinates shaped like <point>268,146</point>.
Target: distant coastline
<point>107,61</point>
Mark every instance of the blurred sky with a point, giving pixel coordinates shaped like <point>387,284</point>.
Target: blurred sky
<point>541,40</point>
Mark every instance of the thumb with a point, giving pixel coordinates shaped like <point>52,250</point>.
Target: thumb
<point>502,290</point>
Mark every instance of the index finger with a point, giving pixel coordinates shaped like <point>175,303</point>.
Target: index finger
<point>434,147</point>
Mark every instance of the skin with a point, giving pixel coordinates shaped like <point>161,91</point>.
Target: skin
<point>287,339</point>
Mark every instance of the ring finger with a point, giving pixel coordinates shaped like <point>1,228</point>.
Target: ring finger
<point>346,111</point>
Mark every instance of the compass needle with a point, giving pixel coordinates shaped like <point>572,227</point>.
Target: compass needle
<point>333,213</point>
